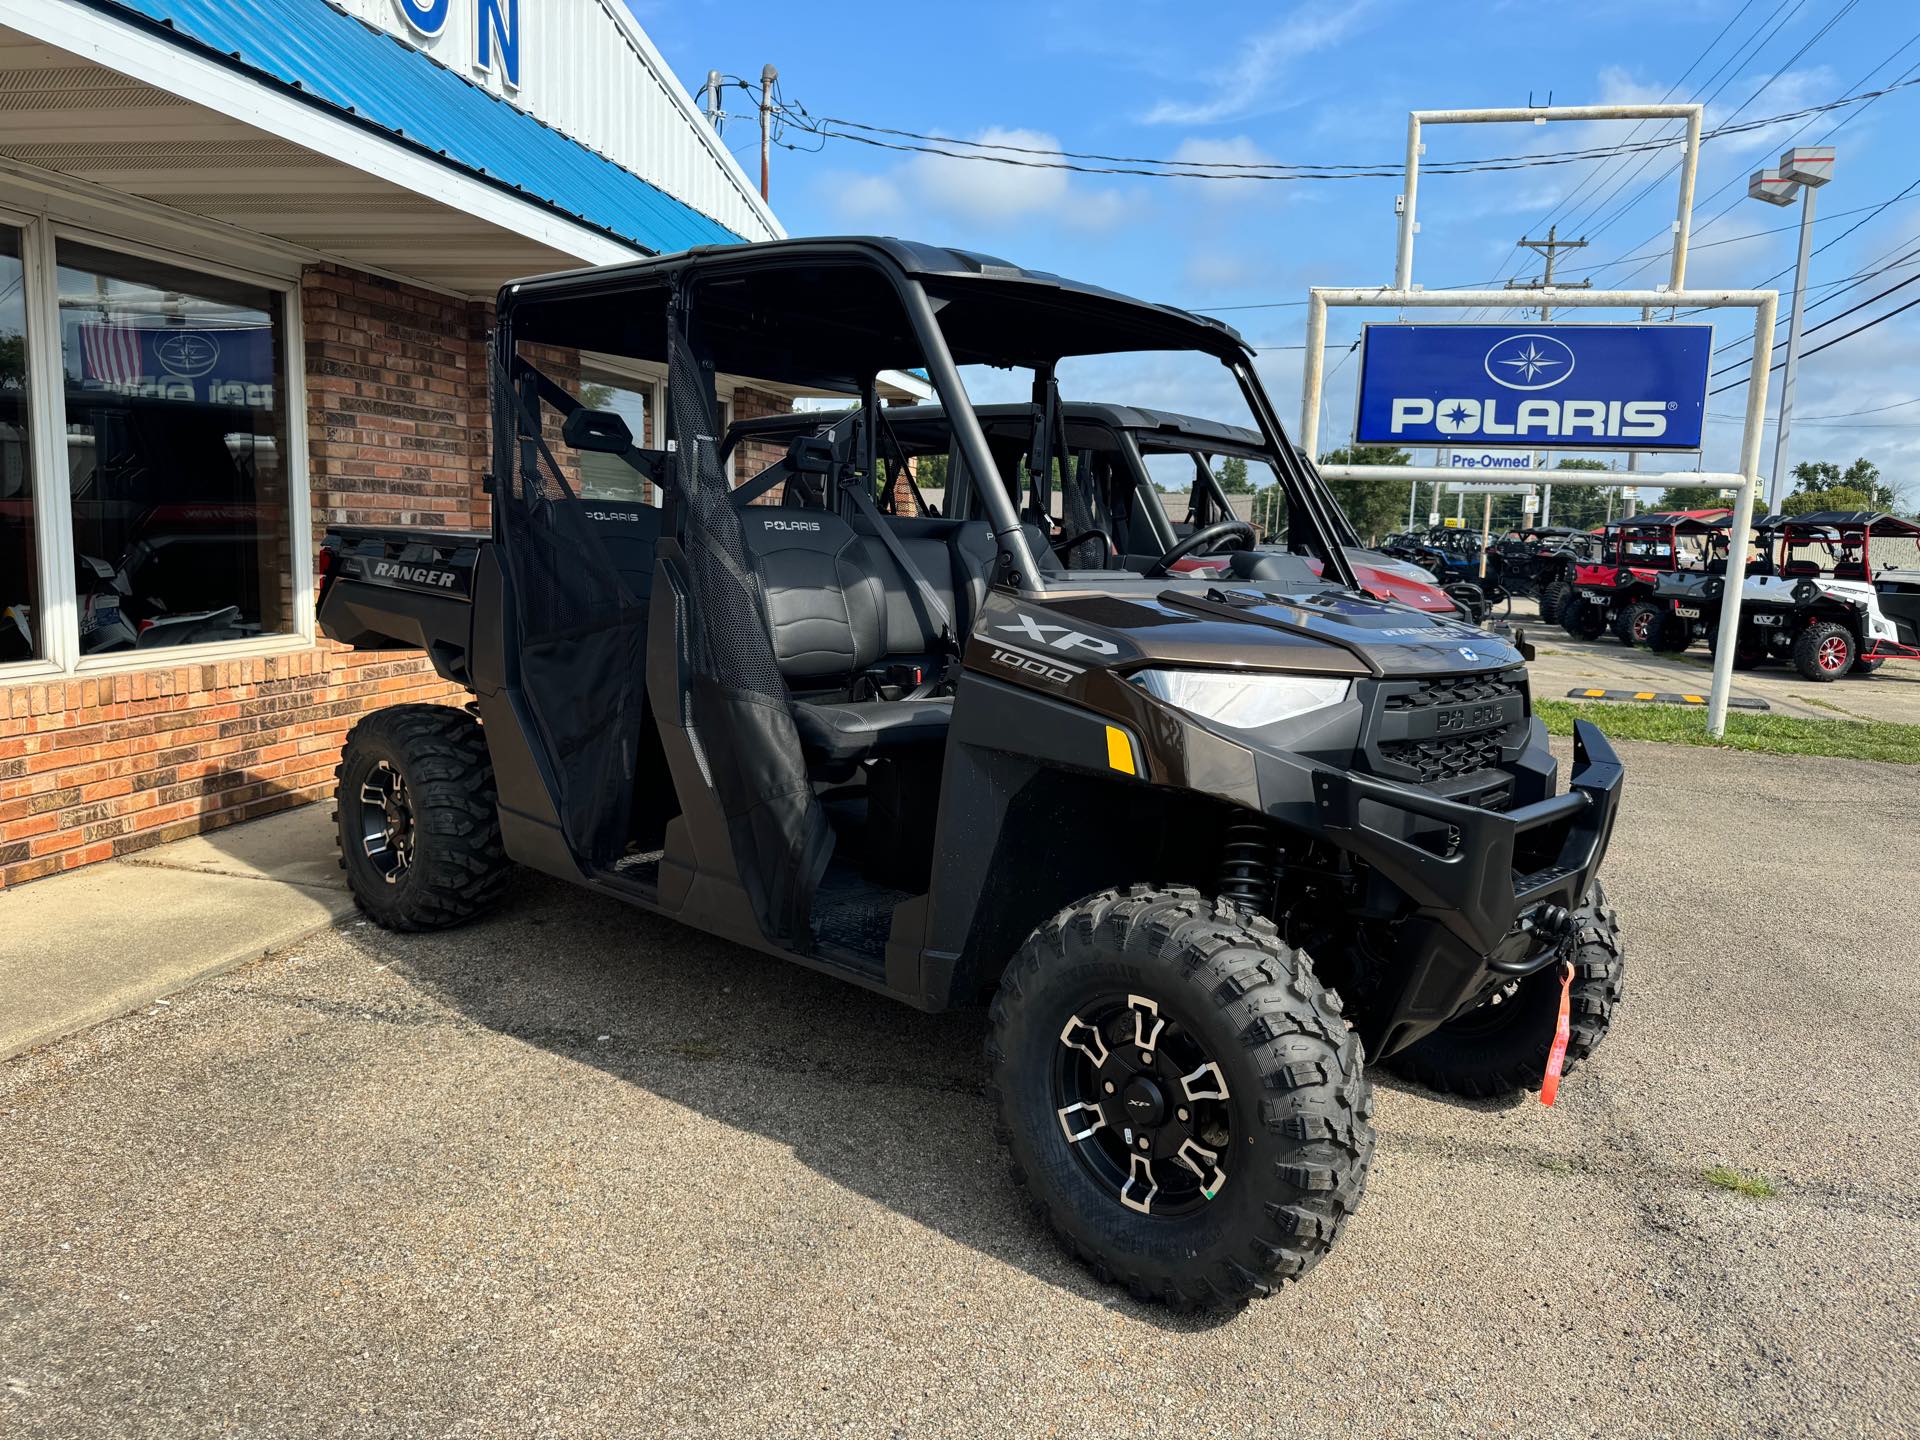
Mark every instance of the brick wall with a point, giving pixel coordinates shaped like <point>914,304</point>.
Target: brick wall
<point>397,432</point>
<point>396,420</point>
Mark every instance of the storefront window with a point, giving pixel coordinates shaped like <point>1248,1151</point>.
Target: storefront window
<point>176,452</point>
<point>20,626</point>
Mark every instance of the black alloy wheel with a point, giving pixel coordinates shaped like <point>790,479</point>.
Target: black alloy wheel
<point>1143,1105</point>
<point>386,822</point>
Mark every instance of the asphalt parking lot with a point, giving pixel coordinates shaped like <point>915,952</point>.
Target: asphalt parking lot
<point>577,1171</point>
<point>1565,663</point>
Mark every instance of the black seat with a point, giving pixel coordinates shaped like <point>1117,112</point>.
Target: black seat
<point>842,612</point>
<point>1849,570</point>
<point>853,730</point>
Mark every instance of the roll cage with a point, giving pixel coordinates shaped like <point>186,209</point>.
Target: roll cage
<point>815,314</point>
<point>1846,536</point>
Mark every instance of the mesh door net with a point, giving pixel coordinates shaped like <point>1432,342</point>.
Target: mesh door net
<point>582,633</point>
<point>737,702</point>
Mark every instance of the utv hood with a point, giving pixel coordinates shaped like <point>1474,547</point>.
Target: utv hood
<point>1329,631</point>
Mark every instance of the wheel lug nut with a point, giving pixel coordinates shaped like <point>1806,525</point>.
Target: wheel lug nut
<point>1146,1057</point>
<point>1143,1142</point>
<point>1109,1087</point>
<point>1181,1113</point>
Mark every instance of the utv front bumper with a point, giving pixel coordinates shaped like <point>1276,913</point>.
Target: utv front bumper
<point>1489,891</point>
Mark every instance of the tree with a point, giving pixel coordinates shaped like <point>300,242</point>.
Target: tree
<point>1232,476</point>
<point>1826,479</point>
<point>1840,497</point>
<point>1374,507</point>
<point>1581,507</point>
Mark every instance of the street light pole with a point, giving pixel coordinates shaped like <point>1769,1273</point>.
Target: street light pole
<point>1801,172</point>
<point>1781,451</point>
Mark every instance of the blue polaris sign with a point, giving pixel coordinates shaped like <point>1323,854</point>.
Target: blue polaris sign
<point>1545,387</point>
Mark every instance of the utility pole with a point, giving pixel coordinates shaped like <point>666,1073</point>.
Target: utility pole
<point>710,100</point>
<point>1803,170</point>
<point>768,75</point>
<point>1550,248</point>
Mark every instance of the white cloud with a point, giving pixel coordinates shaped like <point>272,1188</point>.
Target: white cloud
<point>984,192</point>
<point>1248,87</point>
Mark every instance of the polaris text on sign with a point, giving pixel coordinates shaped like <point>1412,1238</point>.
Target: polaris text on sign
<point>1565,387</point>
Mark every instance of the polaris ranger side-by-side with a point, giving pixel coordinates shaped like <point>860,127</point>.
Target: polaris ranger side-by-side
<point>1204,844</point>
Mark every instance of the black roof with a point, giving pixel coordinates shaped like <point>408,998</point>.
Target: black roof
<point>822,310</point>
<point>1874,522</point>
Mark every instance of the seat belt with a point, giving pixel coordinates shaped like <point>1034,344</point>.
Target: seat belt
<point>930,602</point>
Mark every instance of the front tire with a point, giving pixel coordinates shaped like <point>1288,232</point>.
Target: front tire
<point>1642,623</point>
<point>419,823</point>
<point>1252,1187</point>
<point>1500,1048</point>
<point>1581,620</point>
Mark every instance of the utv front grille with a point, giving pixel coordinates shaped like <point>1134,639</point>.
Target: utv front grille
<point>1446,758</point>
<point>1448,731</point>
<point>1425,694</point>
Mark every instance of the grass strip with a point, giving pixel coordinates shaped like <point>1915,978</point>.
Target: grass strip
<point>1770,734</point>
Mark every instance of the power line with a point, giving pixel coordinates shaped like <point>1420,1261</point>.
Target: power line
<point>833,128</point>
<point>1829,344</point>
<point>1838,417</point>
<point>1868,98</point>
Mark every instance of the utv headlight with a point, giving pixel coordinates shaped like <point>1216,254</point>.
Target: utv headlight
<point>1242,701</point>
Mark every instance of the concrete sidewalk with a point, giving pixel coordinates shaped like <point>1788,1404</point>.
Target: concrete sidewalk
<point>81,948</point>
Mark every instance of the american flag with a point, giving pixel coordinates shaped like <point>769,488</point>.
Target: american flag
<point>111,352</point>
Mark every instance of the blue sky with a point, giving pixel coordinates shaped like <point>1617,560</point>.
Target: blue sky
<point>1333,83</point>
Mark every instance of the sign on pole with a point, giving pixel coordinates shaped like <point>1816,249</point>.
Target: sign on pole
<point>1572,387</point>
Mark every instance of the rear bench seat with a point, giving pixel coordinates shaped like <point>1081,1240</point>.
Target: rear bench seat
<point>840,608</point>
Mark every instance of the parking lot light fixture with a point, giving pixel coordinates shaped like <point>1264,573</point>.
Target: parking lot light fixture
<point>1801,172</point>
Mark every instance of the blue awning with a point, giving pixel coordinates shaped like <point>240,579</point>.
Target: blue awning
<point>335,61</point>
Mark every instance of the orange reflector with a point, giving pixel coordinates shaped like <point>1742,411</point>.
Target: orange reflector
<point>1562,1032</point>
<point>1643,695</point>
<point>1120,751</point>
<point>1694,699</point>
<point>1595,694</point>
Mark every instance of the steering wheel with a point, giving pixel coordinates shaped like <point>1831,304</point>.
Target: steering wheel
<point>1215,534</point>
<point>1064,548</point>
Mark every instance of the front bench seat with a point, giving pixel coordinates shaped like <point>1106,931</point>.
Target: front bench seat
<point>844,733</point>
<point>832,619</point>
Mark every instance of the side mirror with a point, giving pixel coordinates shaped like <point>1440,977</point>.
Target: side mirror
<point>603,431</point>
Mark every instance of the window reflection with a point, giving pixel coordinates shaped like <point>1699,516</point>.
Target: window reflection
<point>176,452</point>
<point>20,624</point>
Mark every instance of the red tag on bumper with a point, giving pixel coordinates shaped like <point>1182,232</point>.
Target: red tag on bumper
<point>1562,1032</point>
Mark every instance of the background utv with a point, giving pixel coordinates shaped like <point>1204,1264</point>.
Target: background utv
<point>1199,841</point>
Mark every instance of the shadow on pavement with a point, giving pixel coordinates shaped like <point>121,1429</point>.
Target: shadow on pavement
<point>748,1040</point>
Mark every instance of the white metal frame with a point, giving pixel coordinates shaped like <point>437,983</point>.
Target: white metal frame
<point>56,618</point>
<point>1404,294</point>
<point>1764,304</point>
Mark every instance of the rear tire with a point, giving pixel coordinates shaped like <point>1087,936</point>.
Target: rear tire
<point>419,823</point>
<point>1501,1049</point>
<point>1551,599</point>
<point>1747,653</point>
<point>1291,1131</point>
<point>1824,651</point>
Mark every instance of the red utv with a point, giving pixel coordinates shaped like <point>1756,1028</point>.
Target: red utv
<point>1617,591</point>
